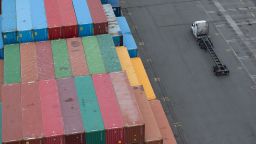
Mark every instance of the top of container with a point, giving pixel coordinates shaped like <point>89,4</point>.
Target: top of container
<point>38,14</point>
<point>9,21</point>
<point>123,25</point>
<point>82,12</point>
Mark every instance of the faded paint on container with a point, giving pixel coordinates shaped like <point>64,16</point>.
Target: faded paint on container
<point>28,60</point>
<point>12,118</point>
<point>53,128</point>
<point>152,132</point>
<point>93,55</point>
<point>77,57</point>
<point>162,121</point>
<point>32,124</point>
<point>12,64</point>
<point>131,45</point>
<point>127,66</point>
<point>60,58</point>
<point>134,123</point>
<point>108,52</point>
<point>143,78</point>
<point>90,111</point>
<point>1,77</point>
<point>110,110</point>
<point>44,60</point>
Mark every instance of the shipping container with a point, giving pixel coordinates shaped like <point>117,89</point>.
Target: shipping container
<point>143,78</point>
<point>127,66</point>
<point>114,3</point>
<point>54,21</point>
<point>1,41</point>
<point>84,19</point>
<point>73,126</point>
<point>100,23</point>
<point>110,110</point>
<point>131,45</point>
<point>77,57</point>
<point>44,60</point>
<point>90,111</point>
<point>123,24</point>
<point>113,27</point>
<point>12,118</point>
<point>24,21</point>
<point>32,124</point>
<point>117,11</point>
<point>53,128</point>
<point>39,21</point>
<point>108,53</point>
<point>93,55</point>
<point>12,64</point>
<point>152,132</point>
<point>1,77</point>
<point>68,19</point>
<point>9,21</point>
<point>104,1</point>
<point>134,123</point>
<point>61,59</point>
<point>1,122</point>
<point>28,63</point>
<point>162,121</point>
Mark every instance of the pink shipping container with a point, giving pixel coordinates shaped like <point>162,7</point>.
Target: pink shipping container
<point>53,129</point>
<point>1,77</point>
<point>11,114</point>
<point>110,110</point>
<point>134,123</point>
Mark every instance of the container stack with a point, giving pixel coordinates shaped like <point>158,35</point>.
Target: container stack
<point>69,78</point>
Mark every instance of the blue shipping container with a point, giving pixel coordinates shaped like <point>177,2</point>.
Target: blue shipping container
<point>1,41</point>
<point>39,21</point>
<point>24,22</point>
<point>114,3</point>
<point>104,1</point>
<point>9,21</point>
<point>123,24</point>
<point>131,45</point>
<point>84,18</point>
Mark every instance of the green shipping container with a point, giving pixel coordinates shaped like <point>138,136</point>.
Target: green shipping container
<point>108,52</point>
<point>93,56</point>
<point>90,111</point>
<point>12,64</point>
<point>61,59</point>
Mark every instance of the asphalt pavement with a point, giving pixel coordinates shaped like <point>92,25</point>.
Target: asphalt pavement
<point>202,108</point>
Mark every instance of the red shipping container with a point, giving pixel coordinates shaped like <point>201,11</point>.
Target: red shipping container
<point>77,57</point>
<point>68,19</point>
<point>162,122</point>
<point>44,61</point>
<point>73,126</point>
<point>1,77</point>
<point>32,125</point>
<point>134,123</point>
<point>110,110</point>
<point>28,62</point>
<point>53,130</point>
<point>99,18</point>
<point>11,114</point>
<point>53,19</point>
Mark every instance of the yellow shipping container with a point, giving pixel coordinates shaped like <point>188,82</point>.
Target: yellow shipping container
<point>143,78</point>
<point>127,66</point>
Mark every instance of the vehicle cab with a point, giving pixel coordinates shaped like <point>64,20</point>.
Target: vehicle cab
<point>200,28</point>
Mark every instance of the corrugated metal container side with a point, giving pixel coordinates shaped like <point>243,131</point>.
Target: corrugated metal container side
<point>61,59</point>
<point>162,122</point>
<point>108,52</point>
<point>110,110</point>
<point>152,132</point>
<point>73,126</point>
<point>123,24</point>
<point>143,78</point>
<point>68,17</point>
<point>12,118</point>
<point>53,19</point>
<point>24,21</point>
<point>53,128</point>
<point>1,77</point>
<point>93,55</point>
<point>117,11</point>
<point>127,66</point>
<point>77,57</point>
<point>90,111</point>
<point>12,64</point>
<point>83,17</point>
<point>39,21</point>
<point>9,21</point>
<point>131,45</point>
<point>32,124</point>
<point>44,60</point>
<point>98,16</point>
<point>28,60</point>
<point>134,123</point>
